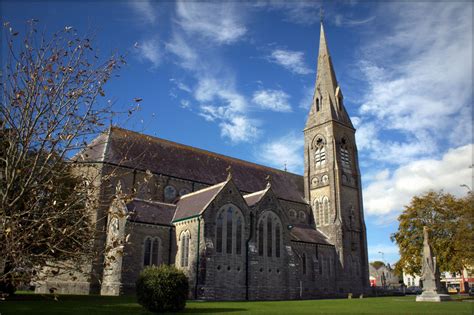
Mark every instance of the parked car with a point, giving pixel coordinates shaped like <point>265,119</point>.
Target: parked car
<point>471,291</point>
<point>453,290</point>
<point>413,290</point>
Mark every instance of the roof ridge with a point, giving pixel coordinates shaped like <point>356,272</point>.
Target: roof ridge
<point>154,202</point>
<point>211,153</point>
<point>201,190</point>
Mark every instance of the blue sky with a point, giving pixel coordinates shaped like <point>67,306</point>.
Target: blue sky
<point>237,79</point>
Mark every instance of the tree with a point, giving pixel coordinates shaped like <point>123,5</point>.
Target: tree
<point>451,226</point>
<point>377,264</point>
<point>52,104</point>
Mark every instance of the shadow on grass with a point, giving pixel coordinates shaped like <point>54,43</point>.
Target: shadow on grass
<point>212,310</point>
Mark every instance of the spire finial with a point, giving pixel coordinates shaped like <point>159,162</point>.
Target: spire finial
<point>229,172</point>
<point>321,14</point>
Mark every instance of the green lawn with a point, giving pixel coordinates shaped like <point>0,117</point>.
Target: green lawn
<point>70,304</point>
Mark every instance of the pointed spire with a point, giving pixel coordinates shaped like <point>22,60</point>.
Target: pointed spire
<point>327,100</point>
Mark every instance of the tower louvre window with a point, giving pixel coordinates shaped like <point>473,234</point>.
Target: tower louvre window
<point>320,153</point>
<point>317,104</point>
<point>345,156</point>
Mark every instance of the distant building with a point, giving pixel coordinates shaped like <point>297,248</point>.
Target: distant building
<point>411,280</point>
<point>383,276</point>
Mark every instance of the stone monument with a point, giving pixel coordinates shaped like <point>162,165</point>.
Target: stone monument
<point>430,274</point>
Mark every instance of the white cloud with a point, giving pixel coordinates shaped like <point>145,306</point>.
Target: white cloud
<point>291,60</point>
<point>239,128</point>
<point>188,58</point>
<point>150,50</point>
<point>307,98</point>
<point>387,192</point>
<point>222,104</point>
<point>299,12</point>
<point>144,10</point>
<point>275,100</point>
<point>219,22</point>
<point>420,83</point>
<point>340,20</point>
<point>287,150</point>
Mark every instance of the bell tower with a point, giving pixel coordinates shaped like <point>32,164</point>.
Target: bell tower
<point>332,176</point>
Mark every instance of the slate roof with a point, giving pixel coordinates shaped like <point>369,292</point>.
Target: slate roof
<point>151,212</point>
<point>196,202</point>
<point>253,198</point>
<point>308,234</point>
<point>131,149</point>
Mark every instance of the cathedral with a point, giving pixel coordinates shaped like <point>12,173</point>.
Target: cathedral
<point>238,230</point>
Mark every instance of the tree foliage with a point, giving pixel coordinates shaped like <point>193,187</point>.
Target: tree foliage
<point>52,104</point>
<point>450,220</point>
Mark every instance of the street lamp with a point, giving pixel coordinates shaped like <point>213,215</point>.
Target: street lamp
<point>383,258</point>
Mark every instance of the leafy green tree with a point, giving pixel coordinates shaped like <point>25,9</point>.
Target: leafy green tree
<point>450,222</point>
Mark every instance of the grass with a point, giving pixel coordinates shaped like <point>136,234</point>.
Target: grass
<point>74,304</point>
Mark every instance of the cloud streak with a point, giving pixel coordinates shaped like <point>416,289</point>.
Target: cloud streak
<point>291,60</point>
<point>218,22</point>
<point>274,100</point>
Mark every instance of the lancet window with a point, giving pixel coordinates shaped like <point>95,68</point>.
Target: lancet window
<point>229,230</point>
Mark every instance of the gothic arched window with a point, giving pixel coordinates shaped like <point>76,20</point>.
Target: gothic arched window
<point>316,210</point>
<point>326,211</point>
<point>219,229</point>
<point>277,240</point>
<point>269,235</point>
<point>184,239</point>
<point>260,238</point>
<point>345,155</point>
<point>229,230</point>
<point>151,251</point>
<point>320,152</point>
<point>303,262</point>
<point>238,236</point>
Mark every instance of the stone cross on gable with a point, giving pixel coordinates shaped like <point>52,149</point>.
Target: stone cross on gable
<point>229,172</point>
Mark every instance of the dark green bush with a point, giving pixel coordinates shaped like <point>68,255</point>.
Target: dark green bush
<point>162,289</point>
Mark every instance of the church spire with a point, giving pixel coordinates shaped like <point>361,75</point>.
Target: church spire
<point>327,98</point>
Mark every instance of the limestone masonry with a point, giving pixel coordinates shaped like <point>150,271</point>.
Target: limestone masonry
<point>237,229</point>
